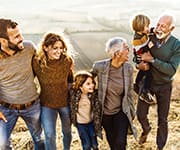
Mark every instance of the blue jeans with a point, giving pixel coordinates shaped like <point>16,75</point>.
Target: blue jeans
<point>31,116</point>
<point>48,119</point>
<point>87,136</point>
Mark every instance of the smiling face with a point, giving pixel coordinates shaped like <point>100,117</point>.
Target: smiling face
<point>15,41</point>
<point>88,86</point>
<point>54,51</point>
<point>164,27</point>
<point>119,50</point>
<point>146,29</point>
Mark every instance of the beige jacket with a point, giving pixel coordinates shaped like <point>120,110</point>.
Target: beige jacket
<point>101,70</point>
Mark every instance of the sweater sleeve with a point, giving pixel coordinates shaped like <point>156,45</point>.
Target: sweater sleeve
<point>169,67</point>
<point>130,93</point>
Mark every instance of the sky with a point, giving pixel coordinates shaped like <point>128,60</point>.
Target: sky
<point>36,12</point>
<point>85,18</point>
<point>35,6</point>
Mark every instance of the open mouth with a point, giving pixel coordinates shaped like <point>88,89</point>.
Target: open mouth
<point>160,34</point>
<point>20,45</point>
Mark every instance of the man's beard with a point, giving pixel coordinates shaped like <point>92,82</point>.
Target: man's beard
<point>161,35</point>
<point>15,47</point>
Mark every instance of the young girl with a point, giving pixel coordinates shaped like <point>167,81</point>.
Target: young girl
<point>85,110</point>
<point>53,67</point>
<point>143,40</point>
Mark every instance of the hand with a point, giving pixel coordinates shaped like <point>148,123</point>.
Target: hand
<point>3,117</point>
<point>147,57</point>
<point>143,66</point>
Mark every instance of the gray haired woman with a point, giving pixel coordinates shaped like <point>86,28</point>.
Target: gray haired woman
<point>115,91</point>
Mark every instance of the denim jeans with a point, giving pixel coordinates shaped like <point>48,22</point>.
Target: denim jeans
<point>48,119</point>
<point>87,136</point>
<point>31,116</point>
<point>163,95</point>
<point>116,128</point>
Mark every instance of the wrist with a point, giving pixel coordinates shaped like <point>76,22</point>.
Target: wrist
<point>152,60</point>
<point>137,66</point>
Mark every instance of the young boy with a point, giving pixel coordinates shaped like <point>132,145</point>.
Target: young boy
<point>143,40</point>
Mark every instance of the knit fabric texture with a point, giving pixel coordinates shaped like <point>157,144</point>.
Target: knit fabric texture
<point>53,81</point>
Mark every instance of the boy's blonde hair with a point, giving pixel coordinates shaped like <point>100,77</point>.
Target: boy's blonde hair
<point>139,22</point>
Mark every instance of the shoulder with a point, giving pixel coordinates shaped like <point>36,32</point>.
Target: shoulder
<point>128,66</point>
<point>75,96</point>
<point>174,43</point>
<point>102,62</point>
<point>29,45</point>
<point>101,65</point>
<point>175,40</point>
<point>67,58</point>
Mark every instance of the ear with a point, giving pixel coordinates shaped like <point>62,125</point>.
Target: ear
<point>81,88</point>
<point>172,28</point>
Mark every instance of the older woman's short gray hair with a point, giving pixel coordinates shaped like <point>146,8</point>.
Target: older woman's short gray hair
<point>112,42</point>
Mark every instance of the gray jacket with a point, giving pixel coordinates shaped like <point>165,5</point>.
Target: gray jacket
<point>101,70</point>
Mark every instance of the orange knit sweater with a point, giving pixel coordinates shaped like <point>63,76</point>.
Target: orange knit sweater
<point>54,81</point>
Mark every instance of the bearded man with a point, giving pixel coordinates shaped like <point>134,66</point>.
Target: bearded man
<point>164,64</point>
<point>18,93</point>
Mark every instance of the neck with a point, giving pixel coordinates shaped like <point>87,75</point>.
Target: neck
<point>166,38</point>
<point>84,93</point>
<point>8,51</point>
<point>116,63</point>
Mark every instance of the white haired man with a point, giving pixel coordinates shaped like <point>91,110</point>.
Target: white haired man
<point>164,64</point>
<point>18,96</point>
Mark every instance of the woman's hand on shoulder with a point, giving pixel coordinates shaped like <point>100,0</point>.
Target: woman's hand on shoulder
<point>3,117</point>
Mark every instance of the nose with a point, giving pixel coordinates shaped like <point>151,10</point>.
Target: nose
<point>59,50</point>
<point>158,27</point>
<point>21,38</point>
<point>92,85</point>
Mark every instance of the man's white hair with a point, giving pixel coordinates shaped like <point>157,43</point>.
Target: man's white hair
<point>168,14</point>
